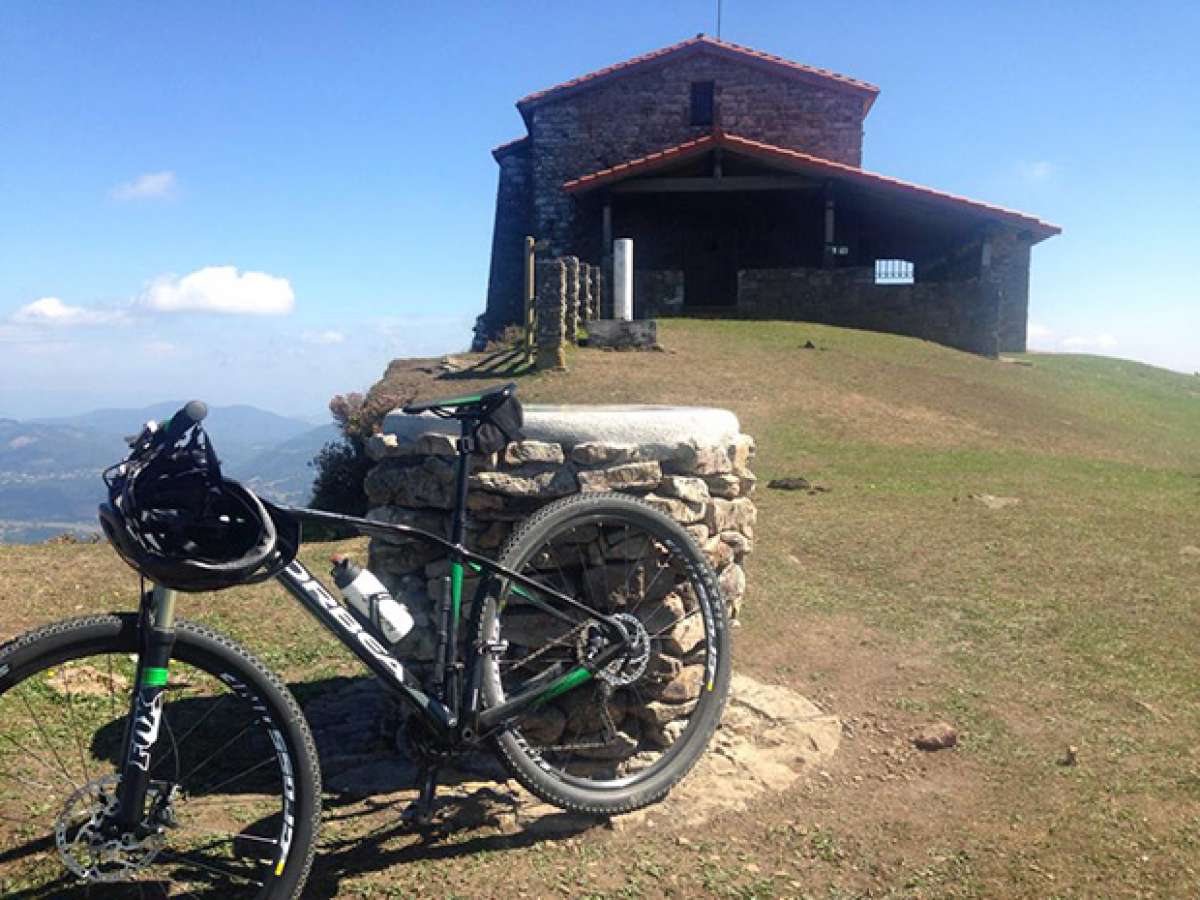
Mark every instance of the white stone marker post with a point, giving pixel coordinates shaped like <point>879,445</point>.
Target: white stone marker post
<point>623,279</point>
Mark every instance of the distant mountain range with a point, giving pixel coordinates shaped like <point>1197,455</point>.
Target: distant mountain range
<point>50,468</point>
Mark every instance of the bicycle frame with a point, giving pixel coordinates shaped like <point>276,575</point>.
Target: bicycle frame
<point>456,717</point>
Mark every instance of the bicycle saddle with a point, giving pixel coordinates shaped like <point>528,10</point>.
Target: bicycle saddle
<point>467,405</point>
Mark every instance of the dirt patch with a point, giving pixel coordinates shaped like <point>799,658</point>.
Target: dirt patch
<point>82,680</point>
<point>769,738</point>
<point>993,502</point>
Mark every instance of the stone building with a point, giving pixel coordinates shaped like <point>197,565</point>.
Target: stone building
<point>739,176</point>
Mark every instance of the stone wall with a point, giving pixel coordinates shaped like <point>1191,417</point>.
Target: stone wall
<point>961,314</point>
<point>657,292</point>
<point>642,112</point>
<point>1006,271</point>
<point>514,220</point>
<point>706,487</point>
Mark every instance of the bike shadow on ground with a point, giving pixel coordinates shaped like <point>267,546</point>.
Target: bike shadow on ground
<point>369,784</point>
<point>368,781</point>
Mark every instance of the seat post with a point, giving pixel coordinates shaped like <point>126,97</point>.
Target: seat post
<point>458,528</point>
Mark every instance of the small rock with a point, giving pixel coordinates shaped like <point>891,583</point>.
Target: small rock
<point>703,460</point>
<point>1071,757</point>
<point>727,486</point>
<point>626,477</point>
<point>680,510</point>
<point>685,687</point>
<point>553,483</point>
<point>742,545</point>
<point>435,443</point>
<point>731,515</point>
<point>938,736</point>
<point>789,484</point>
<point>733,584</point>
<point>718,552</point>
<point>993,502</point>
<point>594,453</point>
<point>520,452</point>
<point>380,446</point>
<point>741,452</point>
<point>693,490</point>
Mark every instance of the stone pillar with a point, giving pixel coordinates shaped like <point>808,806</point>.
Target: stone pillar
<point>693,464</point>
<point>586,296</point>
<point>598,297</point>
<point>572,311</point>
<point>551,279</point>
<point>623,279</point>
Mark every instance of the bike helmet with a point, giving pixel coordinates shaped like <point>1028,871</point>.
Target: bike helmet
<point>173,517</point>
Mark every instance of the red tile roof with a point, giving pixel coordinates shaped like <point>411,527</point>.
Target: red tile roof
<point>697,44</point>
<point>795,159</point>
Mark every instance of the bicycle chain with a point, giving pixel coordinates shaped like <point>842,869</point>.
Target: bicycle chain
<point>608,722</point>
<point>536,653</point>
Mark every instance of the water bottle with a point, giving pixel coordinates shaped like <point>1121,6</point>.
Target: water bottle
<point>370,599</point>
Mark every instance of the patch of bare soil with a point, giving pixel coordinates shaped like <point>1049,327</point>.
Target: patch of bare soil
<point>82,680</point>
<point>769,737</point>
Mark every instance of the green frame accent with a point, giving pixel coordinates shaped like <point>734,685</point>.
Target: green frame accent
<point>154,676</point>
<point>456,584</point>
<point>460,401</point>
<point>570,680</point>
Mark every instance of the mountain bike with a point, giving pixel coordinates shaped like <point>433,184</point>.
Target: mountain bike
<point>143,754</point>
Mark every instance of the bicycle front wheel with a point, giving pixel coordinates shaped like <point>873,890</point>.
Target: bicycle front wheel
<point>234,795</point>
<point>623,736</point>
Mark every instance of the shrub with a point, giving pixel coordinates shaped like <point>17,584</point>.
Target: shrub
<point>341,466</point>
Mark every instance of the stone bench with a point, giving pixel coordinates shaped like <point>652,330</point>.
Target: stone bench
<point>691,462</point>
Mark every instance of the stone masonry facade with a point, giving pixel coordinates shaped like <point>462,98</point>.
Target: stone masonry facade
<point>631,117</point>
<point>796,251</point>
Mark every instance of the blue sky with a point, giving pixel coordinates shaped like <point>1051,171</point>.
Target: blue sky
<point>154,154</point>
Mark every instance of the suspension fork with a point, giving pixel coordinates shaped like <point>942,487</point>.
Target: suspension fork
<point>156,635</point>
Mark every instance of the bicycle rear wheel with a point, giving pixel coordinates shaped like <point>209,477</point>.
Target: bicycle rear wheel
<point>625,736</point>
<point>234,797</point>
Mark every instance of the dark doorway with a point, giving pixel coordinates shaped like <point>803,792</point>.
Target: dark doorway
<point>710,266</point>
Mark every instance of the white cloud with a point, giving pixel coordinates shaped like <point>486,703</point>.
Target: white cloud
<point>1038,330</point>
<point>221,289</point>
<point>151,186</point>
<point>1089,342</point>
<point>52,311</point>
<point>1036,170</point>
<point>323,338</point>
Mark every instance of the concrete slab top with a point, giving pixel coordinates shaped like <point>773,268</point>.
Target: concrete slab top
<point>625,423</point>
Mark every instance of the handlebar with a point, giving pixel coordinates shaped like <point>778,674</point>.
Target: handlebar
<point>192,413</point>
<point>155,435</point>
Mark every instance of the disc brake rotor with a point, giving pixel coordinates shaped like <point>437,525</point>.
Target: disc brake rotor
<point>83,846</point>
<point>623,670</point>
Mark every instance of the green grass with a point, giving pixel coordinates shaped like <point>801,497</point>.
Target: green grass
<point>1069,618</point>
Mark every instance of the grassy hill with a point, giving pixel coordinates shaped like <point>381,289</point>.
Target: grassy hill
<point>899,597</point>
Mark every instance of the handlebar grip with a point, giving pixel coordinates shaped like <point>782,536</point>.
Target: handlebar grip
<point>192,413</point>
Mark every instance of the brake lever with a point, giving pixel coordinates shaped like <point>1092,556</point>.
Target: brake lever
<point>147,432</point>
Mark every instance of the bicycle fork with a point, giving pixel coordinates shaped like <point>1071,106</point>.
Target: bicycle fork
<point>156,634</point>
